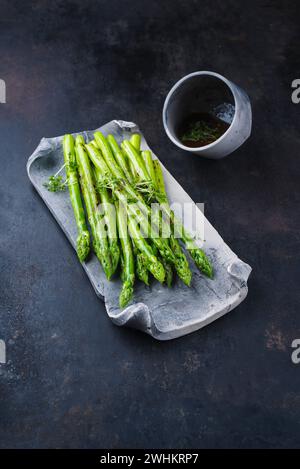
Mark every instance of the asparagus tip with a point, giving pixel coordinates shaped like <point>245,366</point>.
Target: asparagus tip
<point>83,245</point>
<point>158,271</point>
<point>202,262</point>
<point>126,293</point>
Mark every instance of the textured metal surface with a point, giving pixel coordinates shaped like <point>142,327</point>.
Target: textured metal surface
<point>72,378</point>
<point>157,310</point>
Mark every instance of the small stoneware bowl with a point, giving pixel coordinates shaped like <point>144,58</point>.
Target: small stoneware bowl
<point>209,92</point>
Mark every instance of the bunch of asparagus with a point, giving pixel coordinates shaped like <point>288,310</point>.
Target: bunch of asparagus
<point>131,223</point>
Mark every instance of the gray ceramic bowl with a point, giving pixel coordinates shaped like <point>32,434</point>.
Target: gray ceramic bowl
<point>209,92</point>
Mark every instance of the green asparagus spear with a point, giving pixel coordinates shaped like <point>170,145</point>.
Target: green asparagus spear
<point>122,272</point>
<point>136,159</point>
<point>110,220</point>
<point>182,266</point>
<point>152,262</point>
<point>169,272</point>
<point>94,143</point>
<point>89,209</point>
<point>157,213</point>
<point>197,254</point>
<point>146,154</point>
<point>167,266</point>
<point>159,178</point>
<point>135,140</point>
<point>127,258</point>
<point>108,156</point>
<point>141,266</point>
<point>83,239</point>
<point>98,160</point>
<point>119,157</point>
<point>79,139</point>
<point>95,218</point>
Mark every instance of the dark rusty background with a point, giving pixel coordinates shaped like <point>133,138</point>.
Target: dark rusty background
<point>72,378</point>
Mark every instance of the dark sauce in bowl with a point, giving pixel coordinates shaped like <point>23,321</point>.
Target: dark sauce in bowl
<point>201,129</point>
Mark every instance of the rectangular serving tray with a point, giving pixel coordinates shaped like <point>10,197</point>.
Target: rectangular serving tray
<point>157,310</point>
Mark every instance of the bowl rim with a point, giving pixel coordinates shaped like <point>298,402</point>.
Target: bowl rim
<point>231,87</point>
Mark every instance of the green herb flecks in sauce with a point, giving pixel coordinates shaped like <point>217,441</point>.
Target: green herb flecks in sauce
<point>199,130</point>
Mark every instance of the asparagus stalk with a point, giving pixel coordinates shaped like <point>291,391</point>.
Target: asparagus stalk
<point>95,219</point>
<point>151,261</point>
<point>167,266</point>
<point>150,168</point>
<point>119,157</point>
<point>181,265</point>
<point>108,156</point>
<point>159,178</point>
<point>109,213</point>
<point>128,276</point>
<point>197,254</point>
<point>122,272</point>
<point>141,266</point>
<point>83,238</point>
<point>136,160</point>
<point>94,143</point>
<point>183,268</point>
<point>110,220</point>
<point>147,157</point>
<point>169,272</point>
<point>135,141</point>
